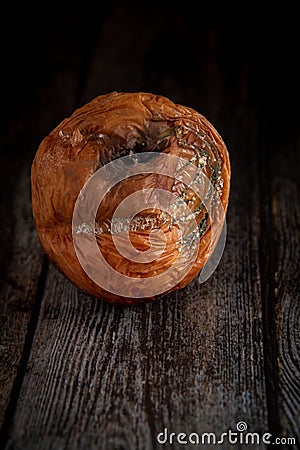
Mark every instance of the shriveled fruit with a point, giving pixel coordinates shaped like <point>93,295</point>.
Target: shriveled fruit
<point>157,153</point>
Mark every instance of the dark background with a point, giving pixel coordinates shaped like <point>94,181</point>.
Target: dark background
<point>37,44</point>
<point>237,336</point>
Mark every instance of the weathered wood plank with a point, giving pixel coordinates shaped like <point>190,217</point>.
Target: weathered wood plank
<point>106,377</point>
<point>45,93</point>
<point>278,97</point>
<point>21,263</point>
<point>284,287</point>
<point>287,295</point>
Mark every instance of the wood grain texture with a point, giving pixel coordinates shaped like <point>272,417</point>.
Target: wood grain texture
<point>21,261</point>
<point>98,376</point>
<point>42,97</point>
<point>278,96</point>
<point>284,191</point>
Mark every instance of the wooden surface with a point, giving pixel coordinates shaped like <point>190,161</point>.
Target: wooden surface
<point>77,373</point>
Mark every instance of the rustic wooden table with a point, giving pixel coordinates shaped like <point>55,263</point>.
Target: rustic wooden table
<point>77,373</point>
